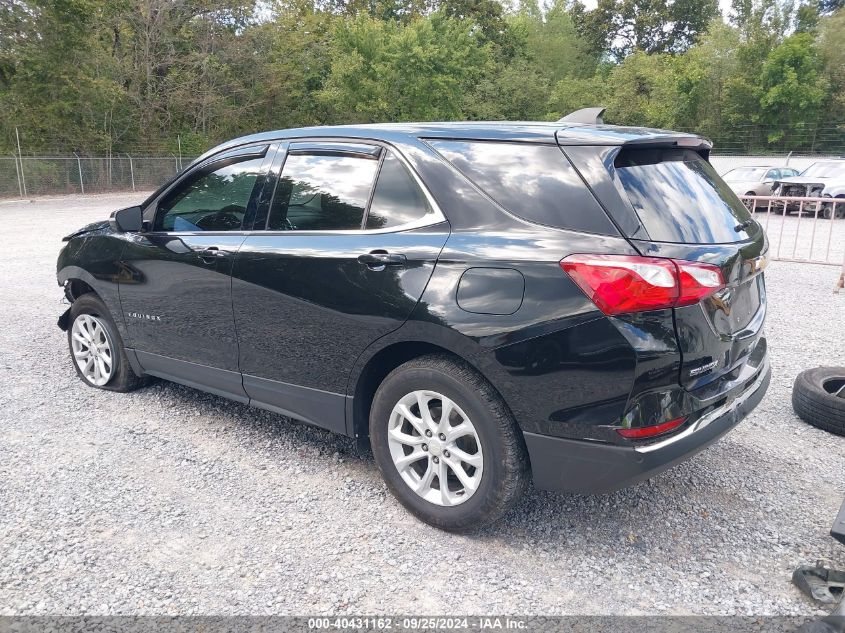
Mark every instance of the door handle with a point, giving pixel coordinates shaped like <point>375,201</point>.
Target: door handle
<point>212,254</point>
<point>377,260</point>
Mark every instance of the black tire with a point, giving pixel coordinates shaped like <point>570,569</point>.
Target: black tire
<point>505,470</point>
<point>123,378</point>
<point>840,207</point>
<point>815,401</point>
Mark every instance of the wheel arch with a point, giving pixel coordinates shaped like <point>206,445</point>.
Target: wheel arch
<point>76,282</point>
<point>371,370</point>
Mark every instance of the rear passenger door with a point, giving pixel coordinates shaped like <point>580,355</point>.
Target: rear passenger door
<point>345,253</point>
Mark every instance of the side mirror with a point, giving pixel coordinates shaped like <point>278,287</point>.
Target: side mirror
<point>128,220</point>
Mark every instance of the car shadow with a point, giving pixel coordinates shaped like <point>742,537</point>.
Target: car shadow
<point>718,493</point>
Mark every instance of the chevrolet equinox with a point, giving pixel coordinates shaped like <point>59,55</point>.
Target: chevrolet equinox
<point>484,303</point>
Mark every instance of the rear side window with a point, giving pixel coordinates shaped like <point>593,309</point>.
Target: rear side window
<point>397,198</point>
<point>534,182</point>
<point>679,197</point>
<point>322,192</point>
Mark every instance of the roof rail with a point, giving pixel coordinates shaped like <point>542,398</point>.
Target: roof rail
<point>592,116</point>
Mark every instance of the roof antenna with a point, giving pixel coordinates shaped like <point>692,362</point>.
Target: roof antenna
<point>591,116</point>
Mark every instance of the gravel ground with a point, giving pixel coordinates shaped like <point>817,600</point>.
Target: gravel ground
<point>171,501</point>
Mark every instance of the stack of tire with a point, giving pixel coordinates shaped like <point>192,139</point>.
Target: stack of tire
<point>818,397</point>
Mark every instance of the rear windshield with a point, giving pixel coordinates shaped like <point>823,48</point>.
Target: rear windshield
<point>679,197</point>
<point>535,182</point>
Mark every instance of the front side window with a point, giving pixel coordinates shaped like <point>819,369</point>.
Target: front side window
<point>397,199</point>
<point>211,200</point>
<point>322,192</point>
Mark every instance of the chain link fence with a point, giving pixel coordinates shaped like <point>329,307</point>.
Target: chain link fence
<point>44,175</point>
<point>56,175</point>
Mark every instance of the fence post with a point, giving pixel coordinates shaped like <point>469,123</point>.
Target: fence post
<point>79,165</point>
<point>22,181</point>
<point>131,172</point>
<point>179,145</point>
<point>177,163</point>
<point>18,174</point>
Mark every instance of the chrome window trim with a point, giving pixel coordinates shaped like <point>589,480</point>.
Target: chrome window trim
<point>429,219</point>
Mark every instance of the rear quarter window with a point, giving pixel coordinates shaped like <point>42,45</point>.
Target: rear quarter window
<point>532,181</point>
<point>679,197</point>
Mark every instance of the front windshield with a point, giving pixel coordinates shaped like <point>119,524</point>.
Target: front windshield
<point>744,174</point>
<point>826,170</point>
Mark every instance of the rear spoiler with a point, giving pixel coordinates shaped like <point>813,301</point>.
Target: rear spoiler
<point>630,137</point>
<point>591,116</point>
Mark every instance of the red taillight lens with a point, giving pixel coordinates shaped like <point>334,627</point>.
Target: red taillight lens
<point>650,431</point>
<point>619,284</point>
<point>697,281</point>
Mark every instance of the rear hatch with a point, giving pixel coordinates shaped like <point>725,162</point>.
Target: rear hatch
<point>676,206</point>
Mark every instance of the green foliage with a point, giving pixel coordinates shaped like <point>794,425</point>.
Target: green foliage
<point>135,75</point>
<point>387,71</point>
<point>794,88</point>
<point>654,26</point>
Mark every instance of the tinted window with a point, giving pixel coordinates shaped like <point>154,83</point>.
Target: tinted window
<point>210,200</point>
<point>772,174</point>
<point>322,192</point>
<point>535,182</point>
<point>679,197</point>
<point>397,198</point>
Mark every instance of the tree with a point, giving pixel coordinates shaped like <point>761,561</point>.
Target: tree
<point>831,48</point>
<point>643,90</point>
<point>704,75</point>
<point>621,27</point>
<point>383,71</point>
<point>793,90</point>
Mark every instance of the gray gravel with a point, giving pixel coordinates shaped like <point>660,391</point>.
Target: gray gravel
<point>171,501</point>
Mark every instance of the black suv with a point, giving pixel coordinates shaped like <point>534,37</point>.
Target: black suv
<point>481,301</point>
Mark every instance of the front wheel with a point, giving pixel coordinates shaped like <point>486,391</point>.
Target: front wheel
<point>446,444</point>
<point>96,348</point>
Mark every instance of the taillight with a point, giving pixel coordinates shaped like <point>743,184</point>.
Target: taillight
<point>644,432</point>
<point>619,284</point>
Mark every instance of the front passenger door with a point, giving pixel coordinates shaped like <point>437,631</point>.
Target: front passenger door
<point>176,297</point>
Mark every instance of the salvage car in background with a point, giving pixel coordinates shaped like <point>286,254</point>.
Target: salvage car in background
<point>756,180</point>
<point>822,179</point>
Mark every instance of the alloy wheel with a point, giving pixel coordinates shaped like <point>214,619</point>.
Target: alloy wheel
<point>435,447</point>
<point>92,349</point>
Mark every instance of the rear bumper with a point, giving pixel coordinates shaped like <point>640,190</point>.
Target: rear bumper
<point>588,467</point>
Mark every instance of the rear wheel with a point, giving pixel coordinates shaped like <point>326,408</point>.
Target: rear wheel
<point>96,348</point>
<point>446,444</point>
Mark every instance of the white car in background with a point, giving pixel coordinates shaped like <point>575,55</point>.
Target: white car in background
<point>822,179</point>
<point>756,180</point>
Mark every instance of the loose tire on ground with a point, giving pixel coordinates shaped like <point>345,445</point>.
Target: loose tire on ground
<point>505,468</point>
<point>122,378</point>
<point>815,401</point>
